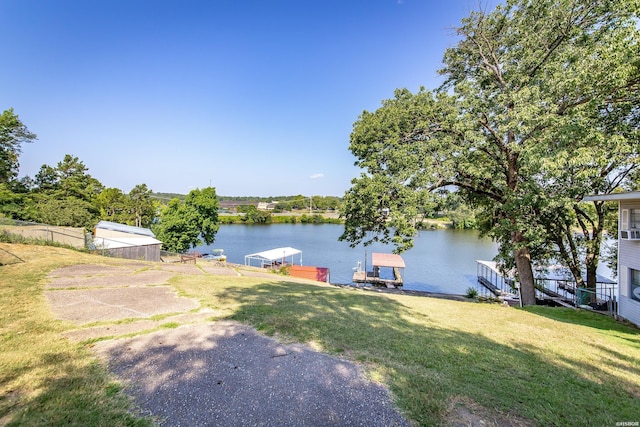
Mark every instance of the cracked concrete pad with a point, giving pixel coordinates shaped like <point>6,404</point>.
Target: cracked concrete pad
<point>143,278</point>
<point>108,331</point>
<point>90,270</point>
<point>92,305</point>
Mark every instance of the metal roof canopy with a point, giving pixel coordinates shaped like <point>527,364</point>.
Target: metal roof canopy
<point>273,255</point>
<point>387,260</point>
<point>124,228</point>
<point>124,242</point>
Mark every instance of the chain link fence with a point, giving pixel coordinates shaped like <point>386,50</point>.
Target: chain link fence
<point>32,231</point>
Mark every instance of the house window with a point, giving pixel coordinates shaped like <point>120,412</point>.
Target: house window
<point>634,218</point>
<point>635,284</point>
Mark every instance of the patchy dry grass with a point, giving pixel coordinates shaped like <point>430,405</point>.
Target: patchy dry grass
<point>44,378</point>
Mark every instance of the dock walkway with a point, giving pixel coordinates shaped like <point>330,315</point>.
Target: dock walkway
<point>552,284</point>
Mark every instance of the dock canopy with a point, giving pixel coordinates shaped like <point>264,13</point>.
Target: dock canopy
<point>387,260</point>
<point>273,256</point>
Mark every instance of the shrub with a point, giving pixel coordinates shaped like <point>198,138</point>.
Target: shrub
<point>471,292</point>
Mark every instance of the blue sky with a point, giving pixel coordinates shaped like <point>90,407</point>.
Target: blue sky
<point>253,97</point>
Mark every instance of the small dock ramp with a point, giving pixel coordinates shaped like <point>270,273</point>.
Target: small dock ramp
<point>552,283</point>
<point>490,278</point>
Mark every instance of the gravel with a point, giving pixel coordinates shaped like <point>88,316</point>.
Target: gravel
<point>227,374</point>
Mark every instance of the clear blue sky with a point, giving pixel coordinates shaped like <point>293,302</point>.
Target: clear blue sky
<point>253,97</point>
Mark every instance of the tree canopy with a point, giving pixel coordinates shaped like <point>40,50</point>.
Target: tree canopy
<point>530,89</point>
<point>13,133</point>
<point>182,224</point>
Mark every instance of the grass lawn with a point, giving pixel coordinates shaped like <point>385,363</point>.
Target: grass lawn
<point>44,378</point>
<point>445,361</point>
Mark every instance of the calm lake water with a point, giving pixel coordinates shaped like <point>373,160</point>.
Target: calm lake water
<point>440,261</point>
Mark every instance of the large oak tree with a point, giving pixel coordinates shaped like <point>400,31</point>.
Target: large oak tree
<point>526,85</point>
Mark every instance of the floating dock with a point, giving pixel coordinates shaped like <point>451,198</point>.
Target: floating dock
<point>382,261</point>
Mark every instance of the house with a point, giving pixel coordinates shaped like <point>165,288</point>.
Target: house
<point>628,252</point>
<point>126,241</point>
<point>264,206</point>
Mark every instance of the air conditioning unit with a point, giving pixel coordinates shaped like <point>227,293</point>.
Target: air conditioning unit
<point>633,234</point>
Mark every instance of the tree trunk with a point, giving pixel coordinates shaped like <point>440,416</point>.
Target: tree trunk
<point>591,261</point>
<point>525,271</point>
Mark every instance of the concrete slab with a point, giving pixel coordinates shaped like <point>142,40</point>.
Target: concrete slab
<point>91,270</point>
<point>143,278</point>
<point>111,331</point>
<point>83,306</point>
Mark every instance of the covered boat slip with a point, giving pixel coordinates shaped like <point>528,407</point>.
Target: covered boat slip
<point>552,283</point>
<point>378,261</point>
<point>285,257</point>
<point>274,258</point>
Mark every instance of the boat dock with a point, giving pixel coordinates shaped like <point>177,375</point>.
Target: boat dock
<point>381,261</point>
<point>553,284</point>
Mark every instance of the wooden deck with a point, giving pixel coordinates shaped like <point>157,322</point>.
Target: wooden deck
<point>371,278</point>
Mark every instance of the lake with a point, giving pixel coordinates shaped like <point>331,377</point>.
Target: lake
<point>441,260</point>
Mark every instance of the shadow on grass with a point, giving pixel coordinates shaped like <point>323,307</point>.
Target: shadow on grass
<point>429,366</point>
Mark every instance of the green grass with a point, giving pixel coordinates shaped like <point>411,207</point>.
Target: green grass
<point>441,359</point>
<point>44,378</point>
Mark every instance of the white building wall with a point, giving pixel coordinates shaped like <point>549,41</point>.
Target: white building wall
<point>628,258</point>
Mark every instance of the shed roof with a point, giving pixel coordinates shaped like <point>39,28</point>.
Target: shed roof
<point>123,228</point>
<point>387,260</point>
<point>124,242</point>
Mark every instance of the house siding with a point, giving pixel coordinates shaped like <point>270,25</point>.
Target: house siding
<point>629,309</point>
<point>628,258</point>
